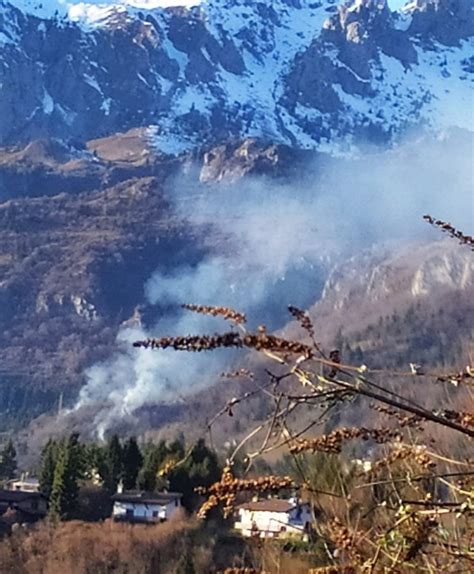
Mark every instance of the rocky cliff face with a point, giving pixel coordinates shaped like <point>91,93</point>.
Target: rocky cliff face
<point>378,280</point>
<point>81,231</point>
<point>445,21</point>
<point>72,268</point>
<point>391,307</point>
<point>303,73</point>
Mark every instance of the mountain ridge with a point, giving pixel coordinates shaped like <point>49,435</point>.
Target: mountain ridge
<point>305,74</point>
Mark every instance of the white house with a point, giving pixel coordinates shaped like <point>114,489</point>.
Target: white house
<point>24,484</point>
<point>274,518</point>
<point>148,507</point>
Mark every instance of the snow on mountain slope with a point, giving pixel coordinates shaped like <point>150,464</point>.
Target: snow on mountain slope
<point>302,72</point>
<point>93,10</point>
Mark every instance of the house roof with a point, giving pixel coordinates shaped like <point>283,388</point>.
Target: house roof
<point>269,505</point>
<point>12,496</point>
<point>141,497</point>
<point>28,480</point>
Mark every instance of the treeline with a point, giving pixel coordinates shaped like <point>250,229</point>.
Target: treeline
<point>8,461</point>
<point>68,465</point>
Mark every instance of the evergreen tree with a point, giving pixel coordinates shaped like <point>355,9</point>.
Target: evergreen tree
<point>49,457</point>
<point>154,456</point>
<point>76,451</point>
<point>93,456</point>
<point>132,462</point>
<point>112,470</point>
<point>175,450</point>
<point>200,469</point>
<point>65,488</point>
<point>8,461</point>
<point>58,497</point>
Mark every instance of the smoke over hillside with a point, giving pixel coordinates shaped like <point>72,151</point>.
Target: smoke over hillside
<point>281,239</point>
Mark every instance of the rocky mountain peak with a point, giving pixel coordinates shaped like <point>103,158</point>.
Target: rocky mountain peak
<point>233,69</point>
<point>356,21</point>
<point>445,21</point>
<point>231,161</point>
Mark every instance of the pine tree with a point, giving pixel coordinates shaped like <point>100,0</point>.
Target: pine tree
<point>49,457</point>
<point>200,469</point>
<point>93,457</point>
<point>153,459</point>
<point>8,461</point>
<point>112,471</point>
<point>58,497</point>
<point>65,488</point>
<point>132,462</point>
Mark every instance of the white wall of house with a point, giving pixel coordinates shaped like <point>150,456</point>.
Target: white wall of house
<point>25,485</point>
<point>274,524</point>
<point>145,512</point>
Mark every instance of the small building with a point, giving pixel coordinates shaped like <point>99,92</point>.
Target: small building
<point>23,506</point>
<point>25,484</point>
<point>145,507</point>
<point>274,518</point>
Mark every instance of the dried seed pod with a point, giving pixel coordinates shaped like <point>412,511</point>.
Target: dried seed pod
<point>224,312</point>
<point>332,442</point>
<point>193,343</point>
<point>451,230</point>
<point>334,357</point>
<point>303,318</point>
<point>244,373</point>
<point>402,452</point>
<point>456,379</point>
<point>264,342</point>
<point>223,493</point>
<point>196,343</point>
<point>463,418</point>
<point>404,420</point>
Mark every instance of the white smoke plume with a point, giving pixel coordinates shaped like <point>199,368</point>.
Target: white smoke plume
<point>282,238</point>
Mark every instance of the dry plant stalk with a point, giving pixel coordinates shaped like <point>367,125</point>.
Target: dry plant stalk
<point>451,230</point>
<point>224,492</point>
<point>224,312</point>
<point>407,511</point>
<point>401,452</point>
<point>193,343</point>
<point>332,443</point>
<point>403,420</point>
<point>257,341</point>
<point>456,379</point>
<point>303,318</point>
<point>241,373</point>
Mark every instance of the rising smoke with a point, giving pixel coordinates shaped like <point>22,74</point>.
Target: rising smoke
<point>281,240</point>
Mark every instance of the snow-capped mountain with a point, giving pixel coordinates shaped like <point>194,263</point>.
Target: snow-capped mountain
<point>307,73</point>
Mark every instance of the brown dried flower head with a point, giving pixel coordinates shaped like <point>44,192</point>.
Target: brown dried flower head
<point>224,492</point>
<point>451,230</point>
<point>224,312</point>
<point>303,318</point>
<point>332,442</point>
